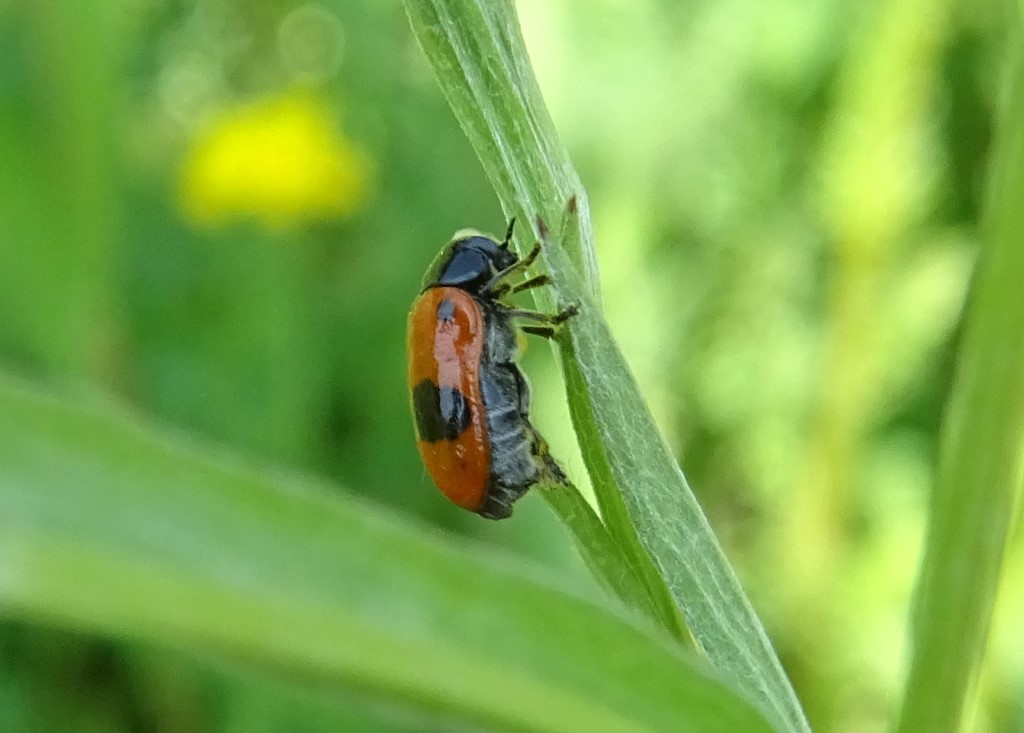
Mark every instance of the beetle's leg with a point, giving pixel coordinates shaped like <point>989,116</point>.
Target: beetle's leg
<point>548,323</point>
<point>502,289</point>
<point>547,319</point>
<point>533,282</point>
<point>496,286</point>
<point>547,332</point>
<point>551,470</point>
<point>566,313</point>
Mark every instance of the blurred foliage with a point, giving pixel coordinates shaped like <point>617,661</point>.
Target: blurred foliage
<point>219,212</point>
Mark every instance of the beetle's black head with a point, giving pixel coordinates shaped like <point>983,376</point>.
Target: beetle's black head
<point>469,261</point>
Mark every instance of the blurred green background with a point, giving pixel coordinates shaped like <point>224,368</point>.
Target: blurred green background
<point>218,212</point>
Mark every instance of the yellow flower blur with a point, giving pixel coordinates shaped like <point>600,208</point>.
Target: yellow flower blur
<point>281,161</point>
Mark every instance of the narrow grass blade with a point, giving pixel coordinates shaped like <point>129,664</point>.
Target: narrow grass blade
<point>625,451</point>
<point>480,62</point>
<point>982,461</point>
<point>607,562</point>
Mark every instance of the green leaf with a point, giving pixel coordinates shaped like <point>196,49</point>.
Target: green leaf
<point>111,529</point>
<point>982,459</point>
<point>607,561</point>
<point>480,62</point>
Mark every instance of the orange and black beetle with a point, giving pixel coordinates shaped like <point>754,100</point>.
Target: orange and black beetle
<point>470,400</point>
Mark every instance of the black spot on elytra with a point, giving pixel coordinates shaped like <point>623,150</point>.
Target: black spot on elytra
<point>442,413</point>
<point>446,311</point>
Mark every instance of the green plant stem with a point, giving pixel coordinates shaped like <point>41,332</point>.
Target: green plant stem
<point>982,459</point>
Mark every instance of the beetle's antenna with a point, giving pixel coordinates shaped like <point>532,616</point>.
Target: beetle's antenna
<point>508,233</point>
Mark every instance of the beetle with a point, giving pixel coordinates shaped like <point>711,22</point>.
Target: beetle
<point>470,400</point>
